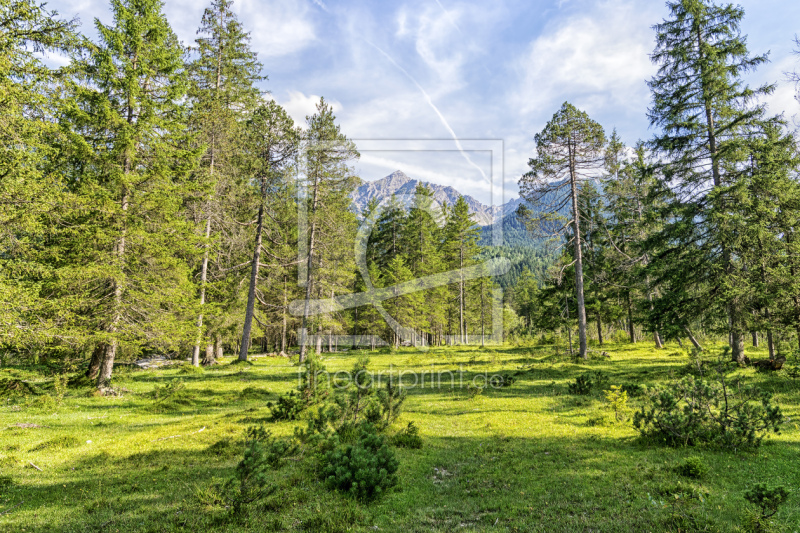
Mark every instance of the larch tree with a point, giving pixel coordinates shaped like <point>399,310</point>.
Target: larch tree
<point>328,181</point>
<point>701,108</point>
<point>223,73</point>
<point>569,152</point>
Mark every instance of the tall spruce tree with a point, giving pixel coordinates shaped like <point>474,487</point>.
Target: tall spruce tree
<point>129,164</point>
<point>701,108</point>
<point>569,152</point>
<point>461,250</point>
<point>30,186</point>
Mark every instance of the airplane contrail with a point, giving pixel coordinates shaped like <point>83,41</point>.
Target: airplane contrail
<point>435,109</point>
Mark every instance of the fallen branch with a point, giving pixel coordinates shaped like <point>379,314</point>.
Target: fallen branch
<point>36,467</point>
<point>11,508</point>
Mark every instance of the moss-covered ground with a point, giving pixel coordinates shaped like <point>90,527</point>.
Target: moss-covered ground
<point>528,457</point>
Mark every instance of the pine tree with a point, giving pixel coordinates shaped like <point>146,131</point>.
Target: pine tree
<point>701,108</point>
<point>129,167</point>
<point>272,146</point>
<point>569,152</point>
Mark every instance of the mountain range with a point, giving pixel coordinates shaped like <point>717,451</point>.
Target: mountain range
<point>402,186</point>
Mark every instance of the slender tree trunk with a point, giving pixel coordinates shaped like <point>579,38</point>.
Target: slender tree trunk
<point>309,266</point>
<point>631,331</point>
<point>461,327</point>
<point>213,352</point>
<point>578,260</point>
<point>203,278</point>
<point>656,336</point>
<point>692,339</point>
<point>599,329</point>
<point>94,363</point>
<point>110,352</point>
<point>755,339</point>
<point>283,316</point>
<point>251,293</point>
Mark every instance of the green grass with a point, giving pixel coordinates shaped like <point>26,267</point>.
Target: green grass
<point>528,457</point>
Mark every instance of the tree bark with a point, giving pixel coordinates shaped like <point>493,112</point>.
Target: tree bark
<point>251,294</point>
<point>578,259</point>
<point>599,330</point>
<point>94,363</point>
<point>631,330</point>
<point>110,351</point>
<point>692,339</point>
<point>203,278</point>
<point>309,266</point>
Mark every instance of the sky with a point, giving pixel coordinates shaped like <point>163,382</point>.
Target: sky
<point>453,91</point>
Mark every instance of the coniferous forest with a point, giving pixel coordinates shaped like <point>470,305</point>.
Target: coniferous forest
<point>175,248</point>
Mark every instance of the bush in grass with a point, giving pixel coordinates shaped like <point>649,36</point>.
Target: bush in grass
<point>502,380</point>
<point>286,407</point>
<point>617,401</point>
<point>634,390</point>
<point>694,411</point>
<point>587,382</point>
<point>250,481</point>
<point>190,369</point>
<point>692,467</point>
<point>364,470</point>
<point>171,395</point>
<point>767,500</point>
<point>408,437</point>
<point>391,400</point>
<point>582,385</point>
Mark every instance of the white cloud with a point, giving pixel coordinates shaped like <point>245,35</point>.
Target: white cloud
<point>600,58</point>
<point>300,105</point>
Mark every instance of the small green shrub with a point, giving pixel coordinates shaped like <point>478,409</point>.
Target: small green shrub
<point>391,400</point>
<point>190,369</point>
<point>502,380</point>
<point>582,385</point>
<point>694,411</point>
<point>254,393</point>
<point>408,437</point>
<point>286,407</point>
<point>693,467</point>
<point>767,500</point>
<point>250,481</point>
<point>617,401</point>
<point>224,448</point>
<point>60,387</point>
<point>170,396</point>
<point>634,390</point>
<point>363,470</point>
<point>473,391</point>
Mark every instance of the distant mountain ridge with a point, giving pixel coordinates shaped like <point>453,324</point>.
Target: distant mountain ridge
<point>399,184</point>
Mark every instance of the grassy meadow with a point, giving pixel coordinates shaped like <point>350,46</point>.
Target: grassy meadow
<point>527,457</point>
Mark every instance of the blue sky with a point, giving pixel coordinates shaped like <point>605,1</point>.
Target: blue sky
<point>435,69</point>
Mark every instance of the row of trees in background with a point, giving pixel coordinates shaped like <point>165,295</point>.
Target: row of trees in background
<point>696,229</point>
<point>149,200</point>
